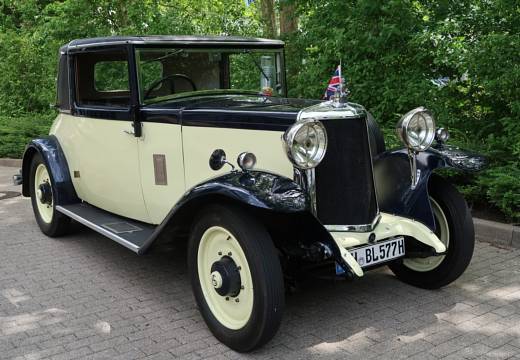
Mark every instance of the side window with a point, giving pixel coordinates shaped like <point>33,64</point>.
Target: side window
<point>102,79</point>
<point>62,98</point>
<point>151,71</point>
<point>111,76</point>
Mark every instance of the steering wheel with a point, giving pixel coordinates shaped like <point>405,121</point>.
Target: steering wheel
<point>168,78</point>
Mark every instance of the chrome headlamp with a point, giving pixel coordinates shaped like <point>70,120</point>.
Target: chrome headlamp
<point>417,129</point>
<point>305,143</point>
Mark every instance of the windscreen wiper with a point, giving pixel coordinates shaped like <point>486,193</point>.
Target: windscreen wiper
<point>258,65</point>
<point>170,54</point>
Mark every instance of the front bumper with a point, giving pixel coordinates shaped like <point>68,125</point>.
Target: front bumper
<point>389,226</point>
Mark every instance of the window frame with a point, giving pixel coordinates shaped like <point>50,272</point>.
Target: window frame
<point>280,61</point>
<point>106,112</point>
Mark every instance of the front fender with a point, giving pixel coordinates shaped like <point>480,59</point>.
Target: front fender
<point>255,188</point>
<point>54,159</point>
<point>284,202</point>
<point>393,179</point>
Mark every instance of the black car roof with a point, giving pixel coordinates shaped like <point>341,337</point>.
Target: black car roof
<point>181,40</point>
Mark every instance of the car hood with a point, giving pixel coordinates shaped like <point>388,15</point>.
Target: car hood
<point>235,110</point>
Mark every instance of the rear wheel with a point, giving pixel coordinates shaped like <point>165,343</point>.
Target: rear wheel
<point>454,227</point>
<point>236,277</point>
<point>51,222</point>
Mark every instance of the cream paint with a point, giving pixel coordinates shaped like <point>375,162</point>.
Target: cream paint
<point>118,175</point>
<point>108,161</point>
<point>200,142</point>
<point>165,139</point>
<point>391,226</point>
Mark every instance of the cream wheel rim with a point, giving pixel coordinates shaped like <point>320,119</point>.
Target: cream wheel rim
<point>233,312</point>
<point>41,177</point>
<point>443,232</point>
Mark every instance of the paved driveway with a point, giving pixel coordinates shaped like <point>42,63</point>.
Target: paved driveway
<point>84,296</point>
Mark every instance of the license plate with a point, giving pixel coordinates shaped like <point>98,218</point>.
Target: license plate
<point>374,254</point>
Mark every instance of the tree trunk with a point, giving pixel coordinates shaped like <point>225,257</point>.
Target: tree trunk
<point>268,18</point>
<point>288,18</point>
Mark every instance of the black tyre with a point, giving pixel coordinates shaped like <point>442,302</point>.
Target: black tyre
<point>236,277</point>
<point>454,228</point>
<point>51,222</point>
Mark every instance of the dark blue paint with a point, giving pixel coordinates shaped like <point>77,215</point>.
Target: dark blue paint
<point>107,113</point>
<point>393,179</point>
<point>232,110</point>
<point>52,154</point>
<point>257,189</point>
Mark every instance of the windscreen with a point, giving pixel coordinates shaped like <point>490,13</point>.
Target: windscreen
<point>166,73</point>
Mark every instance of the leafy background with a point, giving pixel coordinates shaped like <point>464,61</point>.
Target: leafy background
<point>390,50</point>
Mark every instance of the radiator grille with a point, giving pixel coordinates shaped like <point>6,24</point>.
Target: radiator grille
<point>345,192</point>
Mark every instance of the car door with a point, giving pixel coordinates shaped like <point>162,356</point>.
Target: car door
<point>98,135</point>
<point>160,144</point>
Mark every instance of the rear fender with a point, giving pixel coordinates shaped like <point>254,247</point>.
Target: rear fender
<point>54,159</point>
<point>393,179</point>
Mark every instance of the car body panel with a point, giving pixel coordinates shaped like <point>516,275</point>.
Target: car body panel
<point>160,150</point>
<point>109,171</point>
<point>200,142</point>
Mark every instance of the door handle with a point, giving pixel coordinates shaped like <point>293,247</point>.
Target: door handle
<point>129,132</point>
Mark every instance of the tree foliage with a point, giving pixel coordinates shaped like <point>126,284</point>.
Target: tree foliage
<point>391,50</point>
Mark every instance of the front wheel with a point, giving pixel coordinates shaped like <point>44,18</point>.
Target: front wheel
<point>454,227</point>
<point>236,277</point>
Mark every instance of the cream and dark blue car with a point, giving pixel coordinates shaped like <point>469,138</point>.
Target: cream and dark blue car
<point>193,139</point>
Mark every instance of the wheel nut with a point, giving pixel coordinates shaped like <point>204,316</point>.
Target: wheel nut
<point>220,253</point>
<point>227,298</point>
<point>237,300</point>
<point>229,254</point>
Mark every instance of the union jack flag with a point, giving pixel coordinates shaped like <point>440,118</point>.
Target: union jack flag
<point>334,84</point>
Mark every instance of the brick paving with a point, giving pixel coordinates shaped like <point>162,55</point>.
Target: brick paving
<point>85,297</point>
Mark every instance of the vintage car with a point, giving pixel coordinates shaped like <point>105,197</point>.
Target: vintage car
<point>193,139</point>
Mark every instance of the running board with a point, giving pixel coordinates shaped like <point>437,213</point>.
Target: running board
<point>132,234</point>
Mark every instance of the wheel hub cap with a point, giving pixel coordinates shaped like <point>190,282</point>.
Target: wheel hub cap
<point>44,193</point>
<point>216,279</point>
<point>225,277</point>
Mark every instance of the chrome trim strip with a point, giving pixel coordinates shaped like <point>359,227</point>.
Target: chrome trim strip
<point>307,180</point>
<point>378,211</point>
<point>415,173</point>
<point>356,228</point>
<point>310,180</point>
<point>98,229</point>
